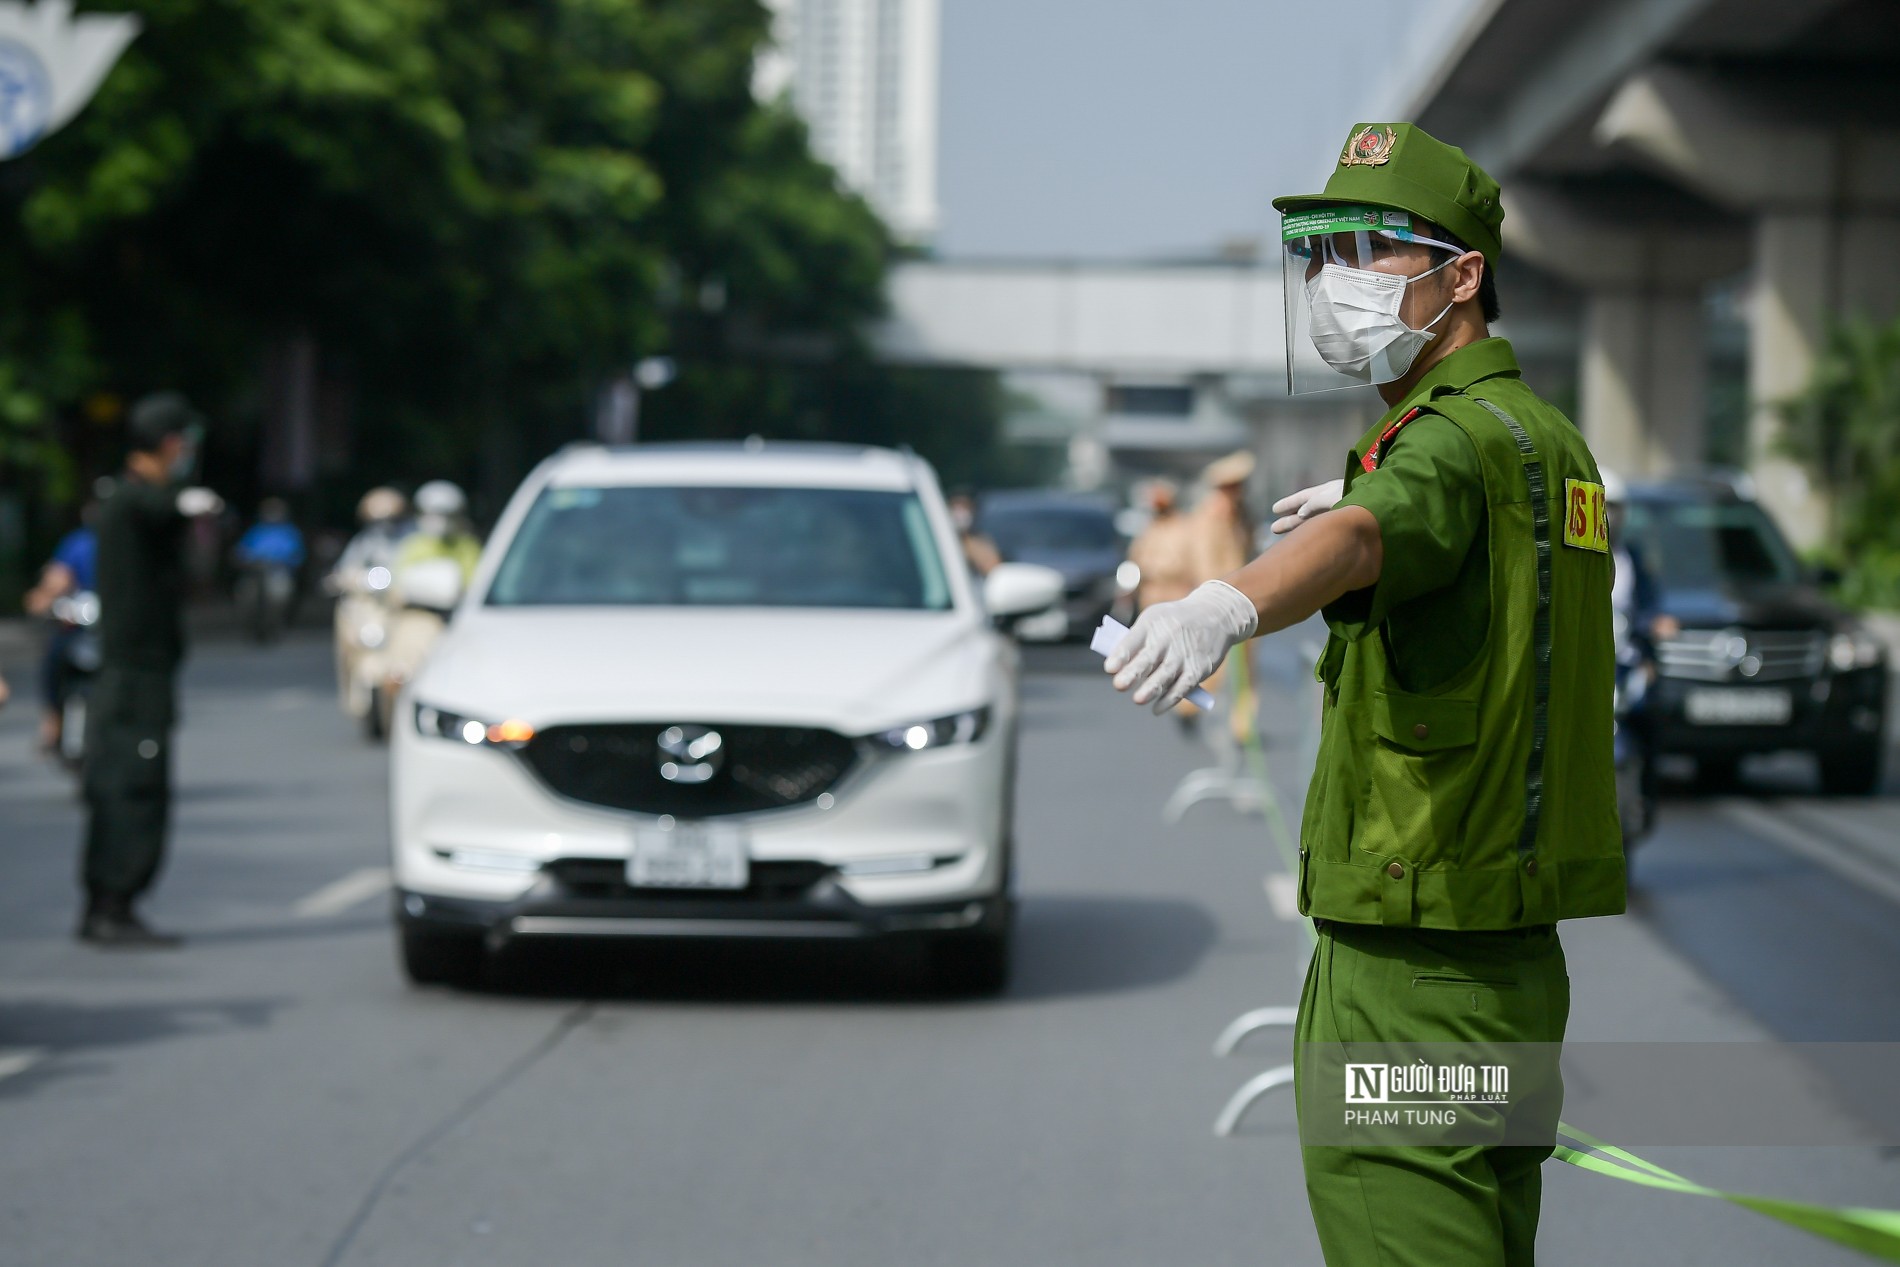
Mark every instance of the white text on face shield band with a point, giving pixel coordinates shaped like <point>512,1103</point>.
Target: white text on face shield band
<point>1355,321</point>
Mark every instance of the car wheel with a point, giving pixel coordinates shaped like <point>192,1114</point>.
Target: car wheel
<point>430,957</point>
<point>1851,771</point>
<point>971,964</point>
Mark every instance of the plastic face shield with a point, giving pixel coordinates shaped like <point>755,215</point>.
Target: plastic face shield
<point>1345,272</point>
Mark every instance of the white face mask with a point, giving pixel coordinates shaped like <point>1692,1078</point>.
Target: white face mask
<point>1356,325</point>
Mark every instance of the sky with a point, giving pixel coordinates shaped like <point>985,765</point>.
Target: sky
<point>1143,129</point>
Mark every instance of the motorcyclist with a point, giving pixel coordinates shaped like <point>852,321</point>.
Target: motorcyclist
<point>383,516</point>
<point>360,581</point>
<point>270,553</point>
<point>442,530</point>
<point>73,569</point>
<point>273,539</point>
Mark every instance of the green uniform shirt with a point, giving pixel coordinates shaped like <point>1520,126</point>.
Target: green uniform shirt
<point>1464,778</point>
<point>142,576</point>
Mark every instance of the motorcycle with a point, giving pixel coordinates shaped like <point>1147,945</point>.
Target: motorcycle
<point>265,593</point>
<point>365,615</point>
<point>76,644</point>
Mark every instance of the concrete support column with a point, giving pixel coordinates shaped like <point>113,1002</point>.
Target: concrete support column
<point>1787,326</point>
<point>1643,380</point>
<point>1824,188</point>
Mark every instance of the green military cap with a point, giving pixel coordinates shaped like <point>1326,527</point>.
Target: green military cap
<point>1404,167</point>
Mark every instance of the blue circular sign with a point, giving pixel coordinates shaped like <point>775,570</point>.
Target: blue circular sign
<point>26,98</point>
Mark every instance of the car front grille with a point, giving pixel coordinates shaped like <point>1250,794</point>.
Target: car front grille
<point>1749,655</point>
<point>619,764</point>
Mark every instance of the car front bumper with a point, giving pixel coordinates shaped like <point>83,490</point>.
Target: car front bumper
<point>823,911</point>
<point>915,841</point>
<point>1831,712</point>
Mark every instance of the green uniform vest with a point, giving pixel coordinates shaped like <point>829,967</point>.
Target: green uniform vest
<point>1488,802</point>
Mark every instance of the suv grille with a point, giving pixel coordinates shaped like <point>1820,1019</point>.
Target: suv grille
<point>759,768</point>
<point>1721,655</point>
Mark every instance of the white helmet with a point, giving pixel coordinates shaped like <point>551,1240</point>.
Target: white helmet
<point>439,497</point>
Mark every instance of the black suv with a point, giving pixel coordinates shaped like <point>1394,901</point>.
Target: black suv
<point>1751,656</point>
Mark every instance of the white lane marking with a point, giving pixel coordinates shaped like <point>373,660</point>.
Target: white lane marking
<point>340,895</point>
<point>1282,895</point>
<point>1837,856</point>
<point>19,1059</point>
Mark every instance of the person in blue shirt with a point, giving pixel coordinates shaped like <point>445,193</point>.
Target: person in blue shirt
<point>273,539</point>
<point>73,569</point>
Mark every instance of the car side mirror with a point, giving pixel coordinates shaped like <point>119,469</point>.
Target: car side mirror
<point>1014,590</point>
<point>1827,576</point>
<point>433,584</point>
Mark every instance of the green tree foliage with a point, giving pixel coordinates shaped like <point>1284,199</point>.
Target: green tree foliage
<point>1845,427</point>
<point>476,210</point>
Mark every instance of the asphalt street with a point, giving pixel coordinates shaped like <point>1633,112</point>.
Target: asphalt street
<point>276,1094</point>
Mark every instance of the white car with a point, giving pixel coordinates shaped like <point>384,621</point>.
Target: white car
<point>715,691</point>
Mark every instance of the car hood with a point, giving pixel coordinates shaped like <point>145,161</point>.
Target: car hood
<point>852,671</point>
<point>1780,606</point>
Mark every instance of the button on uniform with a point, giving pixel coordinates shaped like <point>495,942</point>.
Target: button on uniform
<point>1421,730</point>
<point>1396,870</point>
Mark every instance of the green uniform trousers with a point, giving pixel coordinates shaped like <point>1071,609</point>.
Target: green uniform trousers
<point>1474,1206</point>
<point>128,782</point>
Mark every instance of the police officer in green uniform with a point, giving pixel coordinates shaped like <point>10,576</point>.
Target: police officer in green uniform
<point>142,527</point>
<point>1463,801</point>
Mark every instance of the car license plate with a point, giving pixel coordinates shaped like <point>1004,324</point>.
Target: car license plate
<point>1739,706</point>
<point>689,855</point>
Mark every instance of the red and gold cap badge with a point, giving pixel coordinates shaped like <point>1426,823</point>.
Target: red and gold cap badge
<point>1369,147</point>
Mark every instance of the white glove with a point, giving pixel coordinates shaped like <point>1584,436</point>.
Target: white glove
<point>1296,508</point>
<point>193,502</point>
<point>1176,646</point>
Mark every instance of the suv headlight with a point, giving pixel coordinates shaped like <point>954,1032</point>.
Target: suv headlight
<point>1854,648</point>
<point>940,732</point>
<point>440,723</point>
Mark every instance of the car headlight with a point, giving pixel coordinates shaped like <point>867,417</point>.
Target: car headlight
<point>1854,648</point>
<point>440,723</point>
<point>940,732</point>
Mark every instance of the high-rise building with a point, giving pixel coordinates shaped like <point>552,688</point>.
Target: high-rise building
<point>863,73</point>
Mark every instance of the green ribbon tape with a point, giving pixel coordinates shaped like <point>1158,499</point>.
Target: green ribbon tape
<point>1872,1232</point>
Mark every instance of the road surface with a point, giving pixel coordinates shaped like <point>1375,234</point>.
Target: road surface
<point>276,1094</point>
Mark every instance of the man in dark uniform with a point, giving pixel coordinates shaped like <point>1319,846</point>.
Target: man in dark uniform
<point>141,640</point>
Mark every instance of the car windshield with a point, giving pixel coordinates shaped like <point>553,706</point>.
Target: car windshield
<point>1016,530</point>
<point>1699,545</point>
<point>723,547</point>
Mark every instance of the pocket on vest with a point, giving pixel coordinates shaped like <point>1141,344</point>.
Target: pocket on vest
<point>1424,723</point>
<point>1421,776</point>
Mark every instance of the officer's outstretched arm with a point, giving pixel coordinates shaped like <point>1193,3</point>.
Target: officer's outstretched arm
<point>1331,556</point>
<point>1176,645</point>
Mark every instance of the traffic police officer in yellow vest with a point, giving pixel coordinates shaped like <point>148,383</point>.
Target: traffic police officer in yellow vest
<point>1463,800</point>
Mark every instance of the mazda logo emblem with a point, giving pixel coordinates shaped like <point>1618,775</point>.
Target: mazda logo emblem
<point>690,754</point>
